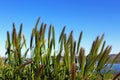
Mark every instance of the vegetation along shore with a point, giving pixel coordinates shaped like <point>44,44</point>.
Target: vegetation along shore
<point>41,66</point>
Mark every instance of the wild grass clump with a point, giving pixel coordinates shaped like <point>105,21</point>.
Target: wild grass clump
<point>48,64</point>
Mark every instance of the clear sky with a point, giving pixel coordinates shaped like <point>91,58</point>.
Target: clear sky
<point>93,17</point>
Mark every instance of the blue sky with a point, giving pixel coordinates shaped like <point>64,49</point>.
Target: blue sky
<point>93,17</point>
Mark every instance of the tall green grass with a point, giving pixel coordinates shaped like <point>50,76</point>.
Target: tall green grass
<point>47,63</point>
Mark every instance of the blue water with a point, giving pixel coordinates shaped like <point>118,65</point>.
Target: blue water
<point>116,68</point>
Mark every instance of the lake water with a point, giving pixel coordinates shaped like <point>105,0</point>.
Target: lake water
<point>116,67</point>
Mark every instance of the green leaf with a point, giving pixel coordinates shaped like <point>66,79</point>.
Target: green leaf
<point>49,35</point>
<point>79,40</point>
<point>61,35</point>
<point>53,34</point>
<point>20,32</point>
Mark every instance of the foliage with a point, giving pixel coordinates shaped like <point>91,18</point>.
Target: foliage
<point>47,63</point>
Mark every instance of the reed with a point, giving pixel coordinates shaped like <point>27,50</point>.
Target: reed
<point>47,63</point>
